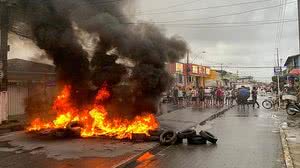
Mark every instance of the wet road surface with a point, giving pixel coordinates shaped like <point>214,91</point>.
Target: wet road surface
<point>247,139</point>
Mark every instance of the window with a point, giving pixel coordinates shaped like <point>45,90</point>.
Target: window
<point>179,67</point>
<point>195,69</point>
<point>207,71</point>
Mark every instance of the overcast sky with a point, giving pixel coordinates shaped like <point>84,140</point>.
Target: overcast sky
<point>232,46</point>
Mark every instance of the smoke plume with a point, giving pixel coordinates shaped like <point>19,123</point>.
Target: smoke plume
<point>136,88</point>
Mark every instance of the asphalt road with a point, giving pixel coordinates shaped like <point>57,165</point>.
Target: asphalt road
<point>247,139</point>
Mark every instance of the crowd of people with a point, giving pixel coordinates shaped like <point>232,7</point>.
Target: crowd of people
<point>209,96</point>
<point>203,97</point>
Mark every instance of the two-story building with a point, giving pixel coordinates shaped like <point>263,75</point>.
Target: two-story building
<point>190,75</point>
<point>292,62</point>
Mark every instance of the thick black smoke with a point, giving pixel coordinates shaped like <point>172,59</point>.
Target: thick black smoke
<point>136,88</point>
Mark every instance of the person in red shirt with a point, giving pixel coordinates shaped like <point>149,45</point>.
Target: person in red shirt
<point>220,97</point>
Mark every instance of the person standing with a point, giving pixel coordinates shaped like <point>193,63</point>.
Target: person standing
<point>254,97</point>
<point>180,97</point>
<point>202,96</point>
<point>214,97</point>
<point>208,97</point>
<point>227,96</point>
<point>220,97</point>
<point>175,95</point>
<point>233,96</point>
<point>194,96</point>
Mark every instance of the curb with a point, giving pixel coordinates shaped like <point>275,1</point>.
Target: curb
<point>286,152</point>
<point>128,161</point>
<point>131,159</point>
<point>216,115</point>
<point>12,128</point>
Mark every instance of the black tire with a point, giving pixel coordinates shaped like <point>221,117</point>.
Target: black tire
<point>74,124</point>
<point>196,140</point>
<point>267,104</point>
<point>186,133</point>
<point>156,132</point>
<point>59,133</point>
<point>152,138</point>
<point>168,138</point>
<point>209,136</point>
<point>289,110</point>
<point>179,140</point>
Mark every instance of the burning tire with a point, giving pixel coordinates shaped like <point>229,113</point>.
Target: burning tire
<point>168,138</point>
<point>74,124</point>
<point>59,133</point>
<point>188,133</point>
<point>196,140</point>
<point>209,136</point>
<point>74,129</point>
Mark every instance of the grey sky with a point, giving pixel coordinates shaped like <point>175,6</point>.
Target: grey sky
<point>233,46</point>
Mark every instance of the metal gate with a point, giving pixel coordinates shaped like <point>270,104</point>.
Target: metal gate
<point>16,98</point>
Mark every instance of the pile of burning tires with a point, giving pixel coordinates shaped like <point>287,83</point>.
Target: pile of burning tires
<point>171,137</point>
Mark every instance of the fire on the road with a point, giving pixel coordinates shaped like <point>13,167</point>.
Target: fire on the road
<point>95,120</point>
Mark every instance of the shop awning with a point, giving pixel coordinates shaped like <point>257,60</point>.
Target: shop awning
<point>295,72</point>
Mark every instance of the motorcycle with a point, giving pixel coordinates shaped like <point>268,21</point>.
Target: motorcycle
<point>292,107</point>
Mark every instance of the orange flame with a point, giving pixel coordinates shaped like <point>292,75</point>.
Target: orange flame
<point>95,121</point>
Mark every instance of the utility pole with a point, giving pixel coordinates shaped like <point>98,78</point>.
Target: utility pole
<point>4,26</point>
<point>187,68</point>
<point>299,22</point>
<point>278,80</point>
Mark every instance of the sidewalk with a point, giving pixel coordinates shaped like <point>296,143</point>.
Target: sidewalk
<point>290,134</point>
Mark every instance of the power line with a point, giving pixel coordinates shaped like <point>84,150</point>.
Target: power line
<point>225,26</point>
<point>282,24</point>
<point>234,23</point>
<point>224,15</point>
<point>199,9</point>
<point>175,5</point>
<point>103,2</point>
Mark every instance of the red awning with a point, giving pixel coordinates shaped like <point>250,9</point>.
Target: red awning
<point>295,72</point>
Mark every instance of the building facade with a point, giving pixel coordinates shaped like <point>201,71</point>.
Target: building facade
<point>189,75</point>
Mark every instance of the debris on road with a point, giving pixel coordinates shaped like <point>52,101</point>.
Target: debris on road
<point>209,136</point>
<point>171,138</point>
<point>168,138</point>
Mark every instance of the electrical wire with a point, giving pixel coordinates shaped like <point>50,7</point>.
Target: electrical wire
<point>200,9</point>
<point>233,23</point>
<point>223,15</point>
<point>226,26</point>
<point>175,5</point>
